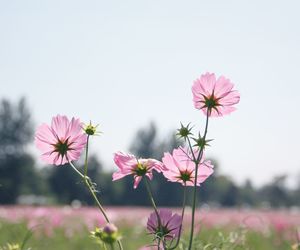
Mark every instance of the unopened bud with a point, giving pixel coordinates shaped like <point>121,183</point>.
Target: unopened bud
<point>184,131</point>
<point>91,129</point>
<point>110,228</point>
<point>108,234</point>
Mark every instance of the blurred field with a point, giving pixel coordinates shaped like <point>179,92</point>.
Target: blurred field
<point>68,228</point>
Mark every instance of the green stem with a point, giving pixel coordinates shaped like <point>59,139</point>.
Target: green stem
<point>89,186</point>
<point>158,244</point>
<point>182,215</point>
<point>76,170</point>
<point>148,187</point>
<point>112,246</point>
<point>87,182</point>
<point>197,162</point>
<point>86,156</point>
<point>120,244</point>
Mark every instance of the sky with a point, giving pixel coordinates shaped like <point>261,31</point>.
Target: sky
<point>123,64</point>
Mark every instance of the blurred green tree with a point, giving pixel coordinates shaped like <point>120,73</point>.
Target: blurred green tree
<point>17,172</point>
<point>276,193</point>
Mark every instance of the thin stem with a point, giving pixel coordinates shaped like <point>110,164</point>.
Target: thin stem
<point>148,187</point>
<point>120,244</point>
<point>76,170</point>
<point>86,156</point>
<point>182,215</point>
<point>197,162</point>
<point>88,185</point>
<point>90,188</point>
<point>158,244</point>
<point>147,184</point>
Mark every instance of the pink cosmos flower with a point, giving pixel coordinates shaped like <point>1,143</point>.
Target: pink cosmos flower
<point>129,165</point>
<point>180,168</point>
<point>61,142</point>
<point>170,224</point>
<point>214,97</point>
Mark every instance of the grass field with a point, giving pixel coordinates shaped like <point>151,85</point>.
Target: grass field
<point>66,228</point>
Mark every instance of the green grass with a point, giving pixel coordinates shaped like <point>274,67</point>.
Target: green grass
<point>136,237</point>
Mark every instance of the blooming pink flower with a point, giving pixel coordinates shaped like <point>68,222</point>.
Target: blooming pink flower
<point>170,224</point>
<point>214,97</point>
<point>180,168</point>
<point>129,165</point>
<point>61,142</point>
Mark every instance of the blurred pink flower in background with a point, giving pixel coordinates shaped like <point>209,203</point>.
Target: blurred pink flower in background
<point>148,248</point>
<point>214,97</point>
<point>170,224</point>
<point>44,220</point>
<point>129,165</point>
<point>61,142</point>
<point>180,168</point>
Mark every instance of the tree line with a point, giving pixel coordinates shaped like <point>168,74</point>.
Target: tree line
<point>22,181</point>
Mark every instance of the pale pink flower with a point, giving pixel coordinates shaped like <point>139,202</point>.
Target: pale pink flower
<point>129,165</point>
<point>61,142</point>
<point>214,97</point>
<point>170,224</point>
<point>180,168</point>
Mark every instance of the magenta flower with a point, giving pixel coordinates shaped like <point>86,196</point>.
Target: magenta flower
<point>180,168</point>
<point>129,165</point>
<point>170,224</point>
<point>61,142</point>
<point>214,97</point>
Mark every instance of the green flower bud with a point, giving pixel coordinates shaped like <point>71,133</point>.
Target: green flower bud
<point>201,142</point>
<point>108,234</point>
<point>184,131</point>
<point>91,129</point>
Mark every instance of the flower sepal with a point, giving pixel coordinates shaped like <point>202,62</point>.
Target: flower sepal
<point>200,142</point>
<point>184,131</point>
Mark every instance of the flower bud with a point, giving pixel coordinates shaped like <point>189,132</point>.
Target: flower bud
<point>108,234</point>
<point>201,142</point>
<point>184,131</point>
<point>110,228</point>
<point>91,129</point>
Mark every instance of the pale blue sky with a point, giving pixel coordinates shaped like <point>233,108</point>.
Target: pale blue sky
<point>124,63</point>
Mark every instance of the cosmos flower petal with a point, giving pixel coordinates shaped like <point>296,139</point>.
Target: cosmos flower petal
<point>180,168</point>
<point>231,98</point>
<point>216,95</point>
<point>60,126</point>
<point>45,138</point>
<point>119,175</point>
<point>222,86</point>
<point>128,164</point>
<point>64,141</point>
<point>170,223</point>
<point>137,180</point>
<point>124,161</point>
<point>74,127</point>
